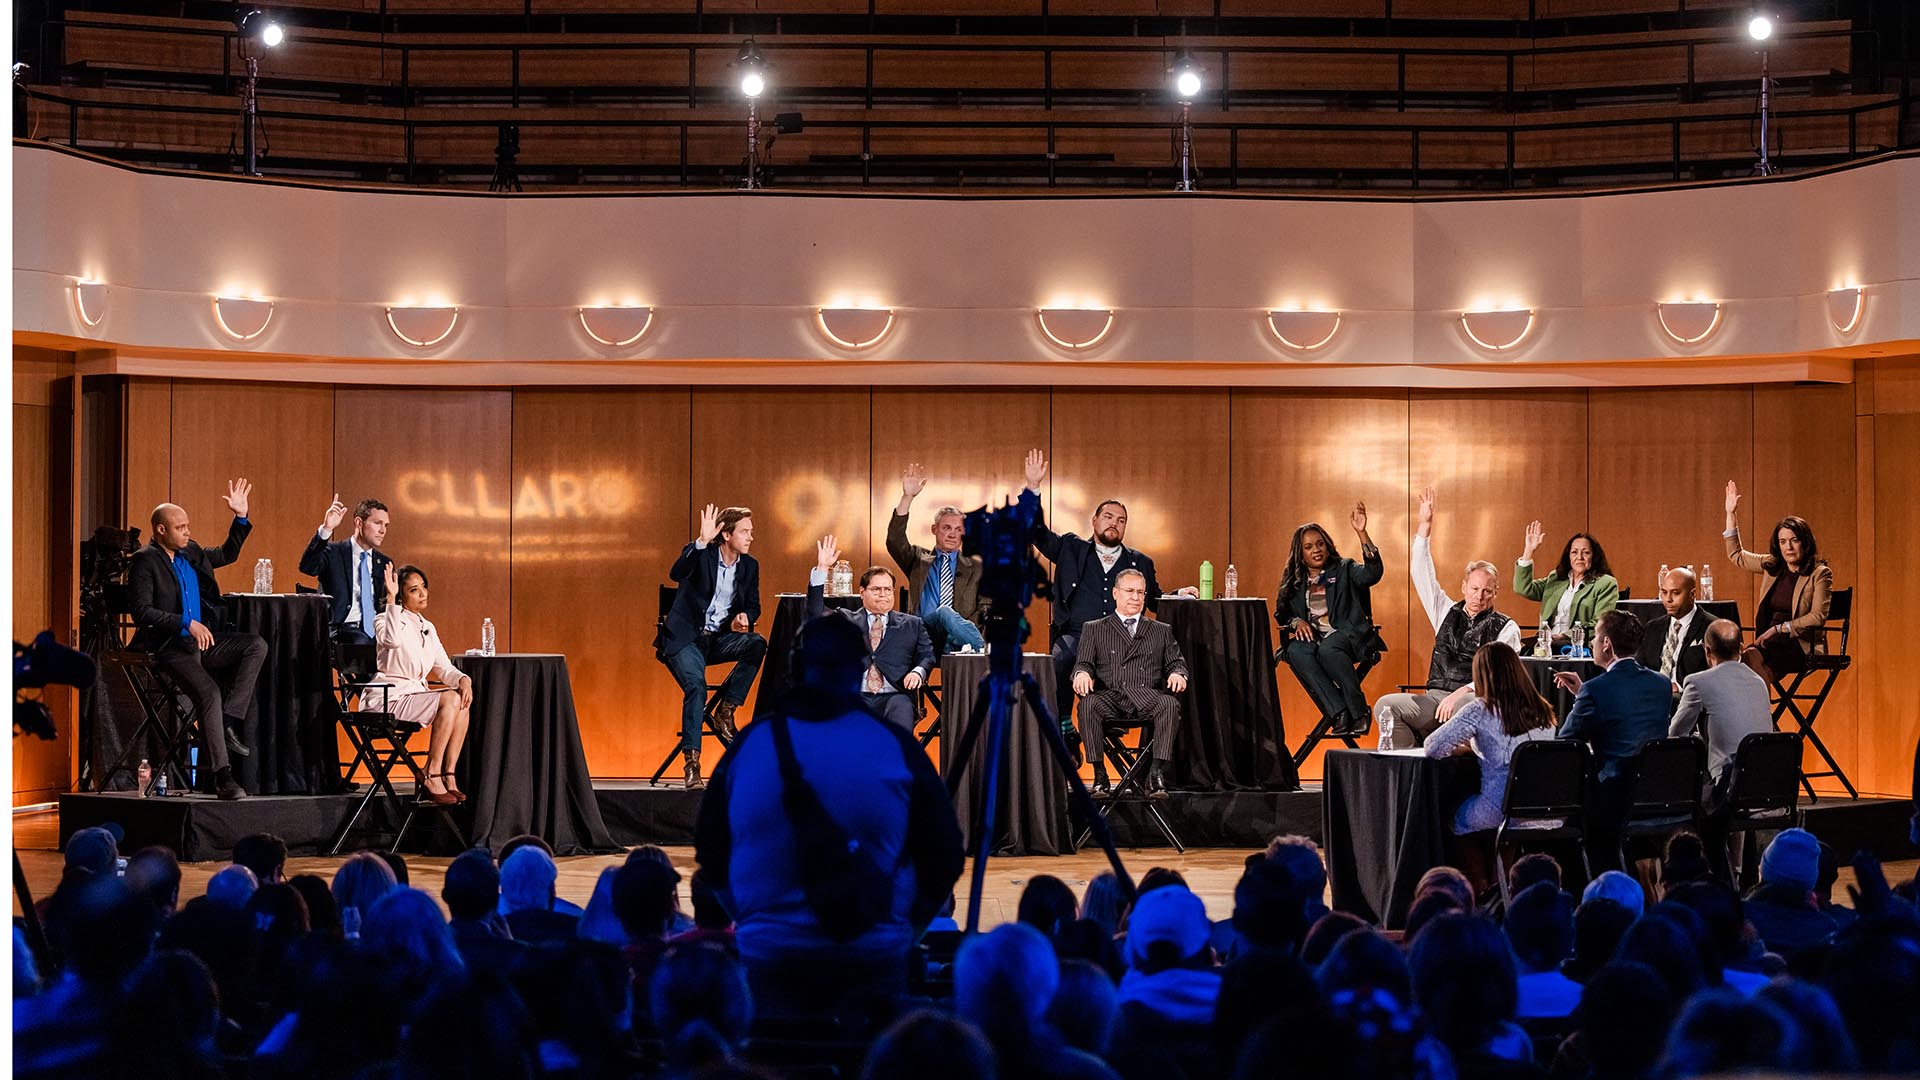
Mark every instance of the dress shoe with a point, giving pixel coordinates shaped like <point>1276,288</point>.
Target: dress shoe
<point>234,745</point>
<point>225,788</point>
<point>446,778</point>
<point>1156,782</point>
<point>694,780</point>
<point>438,798</point>
<point>1102,788</point>
<point>1359,725</point>
<point>723,722</point>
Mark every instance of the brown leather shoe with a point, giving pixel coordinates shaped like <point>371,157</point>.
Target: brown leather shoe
<point>723,722</point>
<point>694,782</point>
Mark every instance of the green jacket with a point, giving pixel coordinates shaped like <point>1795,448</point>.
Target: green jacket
<point>1596,597</point>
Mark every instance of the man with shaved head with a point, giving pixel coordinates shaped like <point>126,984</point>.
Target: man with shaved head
<point>1673,643</point>
<point>178,618</point>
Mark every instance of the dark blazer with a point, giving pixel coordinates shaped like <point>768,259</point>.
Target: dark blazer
<point>1136,666</point>
<point>697,571</point>
<point>1693,655</point>
<point>332,563</point>
<point>153,592</point>
<point>1617,712</point>
<point>904,647</point>
<point>1349,596</point>
<point>1076,567</point>
<point>917,562</point>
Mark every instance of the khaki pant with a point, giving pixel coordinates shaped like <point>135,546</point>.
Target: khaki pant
<point>1405,720</point>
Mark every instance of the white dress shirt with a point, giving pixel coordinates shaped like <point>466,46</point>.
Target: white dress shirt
<point>1426,584</point>
<point>353,575</point>
<point>722,594</point>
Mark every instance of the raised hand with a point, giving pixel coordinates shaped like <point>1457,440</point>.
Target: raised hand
<point>1358,519</point>
<point>1426,505</point>
<point>709,524</point>
<point>1535,537</point>
<point>1036,470</point>
<point>827,552</point>
<point>237,492</point>
<point>391,578</point>
<point>1733,498</point>
<point>913,479</point>
<point>336,514</point>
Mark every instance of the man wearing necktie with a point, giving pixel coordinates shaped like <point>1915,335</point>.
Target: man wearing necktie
<point>943,585</point>
<point>1129,665</point>
<point>352,571</point>
<point>1673,646</point>
<point>899,653</point>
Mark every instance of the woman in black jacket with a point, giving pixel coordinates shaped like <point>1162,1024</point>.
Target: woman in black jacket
<point>1326,620</point>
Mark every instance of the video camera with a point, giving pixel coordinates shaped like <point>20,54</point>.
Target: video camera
<point>45,663</point>
<point>1009,576</point>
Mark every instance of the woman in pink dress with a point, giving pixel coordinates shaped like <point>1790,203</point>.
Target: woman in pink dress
<point>426,688</point>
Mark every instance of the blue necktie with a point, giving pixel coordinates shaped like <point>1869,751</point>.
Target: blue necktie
<point>366,593</point>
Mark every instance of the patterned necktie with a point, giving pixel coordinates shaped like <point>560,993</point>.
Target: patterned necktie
<point>366,593</point>
<point>1671,653</point>
<point>946,579</point>
<point>876,629</point>
<point>1130,623</point>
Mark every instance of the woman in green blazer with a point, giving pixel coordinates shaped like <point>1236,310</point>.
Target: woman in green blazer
<point>1580,589</point>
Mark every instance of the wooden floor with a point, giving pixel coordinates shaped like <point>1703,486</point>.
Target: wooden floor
<point>1211,872</point>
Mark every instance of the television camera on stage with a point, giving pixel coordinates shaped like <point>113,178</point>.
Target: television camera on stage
<point>104,561</point>
<point>44,663</point>
<point>1009,580</point>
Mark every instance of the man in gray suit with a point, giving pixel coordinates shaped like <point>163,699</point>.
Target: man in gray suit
<point>1729,695</point>
<point>1129,665</point>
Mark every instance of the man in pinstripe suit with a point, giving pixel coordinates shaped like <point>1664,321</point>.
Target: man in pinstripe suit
<point>1129,665</point>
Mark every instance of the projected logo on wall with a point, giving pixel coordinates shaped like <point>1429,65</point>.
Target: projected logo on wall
<point>557,495</point>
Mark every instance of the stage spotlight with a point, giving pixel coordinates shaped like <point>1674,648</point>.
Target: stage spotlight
<point>1186,86</point>
<point>1187,83</point>
<point>257,25</point>
<point>753,70</point>
<point>1760,27</point>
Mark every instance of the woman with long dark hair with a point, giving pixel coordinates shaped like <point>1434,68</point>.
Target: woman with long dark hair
<point>1580,589</point>
<point>1796,593</point>
<point>1325,619</point>
<point>1506,711</point>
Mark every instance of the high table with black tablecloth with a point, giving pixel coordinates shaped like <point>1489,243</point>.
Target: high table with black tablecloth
<point>776,671</point>
<point>1387,817</point>
<point>1542,670</point>
<point>1231,737</point>
<point>523,768</point>
<point>1032,818</point>
<point>291,729</point>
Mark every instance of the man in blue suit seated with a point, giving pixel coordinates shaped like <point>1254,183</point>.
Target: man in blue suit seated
<point>899,653</point>
<point>1615,713</point>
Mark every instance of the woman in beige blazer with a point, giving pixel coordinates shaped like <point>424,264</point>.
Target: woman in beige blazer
<point>1796,587</point>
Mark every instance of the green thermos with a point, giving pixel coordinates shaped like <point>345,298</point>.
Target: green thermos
<point>1206,580</point>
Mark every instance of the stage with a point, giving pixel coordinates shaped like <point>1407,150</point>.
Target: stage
<point>200,828</point>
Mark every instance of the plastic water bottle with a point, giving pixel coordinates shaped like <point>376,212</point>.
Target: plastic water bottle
<point>486,637</point>
<point>1543,645</point>
<point>1660,582</point>
<point>1578,635</point>
<point>842,578</point>
<point>1206,579</point>
<point>263,578</point>
<point>144,776</point>
<point>1233,583</point>
<point>160,784</point>
<point>1706,581</point>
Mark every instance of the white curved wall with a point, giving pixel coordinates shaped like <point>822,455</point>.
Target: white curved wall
<point>736,278</point>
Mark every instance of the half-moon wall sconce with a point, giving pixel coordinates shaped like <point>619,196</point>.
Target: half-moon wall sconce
<point>616,326</point>
<point>240,318</point>
<point>854,328</point>
<point>1689,321</point>
<point>422,327</point>
<point>1844,306</point>
<point>1075,328</point>
<point>1303,331</point>
<point>1497,331</point>
<point>90,301</point>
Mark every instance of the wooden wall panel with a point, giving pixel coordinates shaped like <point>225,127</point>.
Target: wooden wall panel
<point>1803,463</point>
<point>801,458</point>
<point>599,494</point>
<point>275,434</point>
<point>1497,461</point>
<point>40,767</point>
<point>1658,462</point>
<point>1299,457</point>
<point>34,373</point>
<point>1890,724</point>
<point>440,461</point>
<point>148,441</point>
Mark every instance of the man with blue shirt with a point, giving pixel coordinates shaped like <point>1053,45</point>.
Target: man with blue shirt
<point>1615,713</point>
<point>711,622</point>
<point>943,585</point>
<point>178,618</point>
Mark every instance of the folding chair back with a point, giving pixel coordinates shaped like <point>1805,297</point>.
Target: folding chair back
<point>1766,775</point>
<point>1663,780</point>
<point>1546,779</point>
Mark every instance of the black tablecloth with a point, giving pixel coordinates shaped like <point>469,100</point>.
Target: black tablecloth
<point>523,768</point>
<point>776,672</point>
<point>1231,737</point>
<point>1387,817</point>
<point>1542,671</point>
<point>1032,817</point>
<point>291,728</point>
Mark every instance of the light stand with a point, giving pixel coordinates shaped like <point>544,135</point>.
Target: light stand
<point>1760,28</point>
<point>1186,86</point>
<point>753,83</point>
<point>253,22</point>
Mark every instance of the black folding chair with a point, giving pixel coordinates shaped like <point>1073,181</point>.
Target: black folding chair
<point>1664,779</point>
<point>707,726</point>
<point>1323,728</point>
<point>1132,765</point>
<point>1547,783</point>
<point>169,724</point>
<point>1764,792</point>
<point>381,743</point>
<point>1793,696</point>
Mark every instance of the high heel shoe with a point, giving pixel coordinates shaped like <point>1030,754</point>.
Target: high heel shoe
<point>437,798</point>
<point>446,779</point>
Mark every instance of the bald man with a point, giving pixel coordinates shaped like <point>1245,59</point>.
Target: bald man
<point>176,613</point>
<point>1673,643</point>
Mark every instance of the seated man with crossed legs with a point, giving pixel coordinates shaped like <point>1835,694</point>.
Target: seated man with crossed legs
<point>1129,666</point>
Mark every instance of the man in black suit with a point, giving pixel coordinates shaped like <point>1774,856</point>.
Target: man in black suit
<point>1672,645</point>
<point>899,652</point>
<point>1085,572</point>
<point>712,623</point>
<point>1129,666</point>
<point>352,571</point>
<point>176,613</point>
